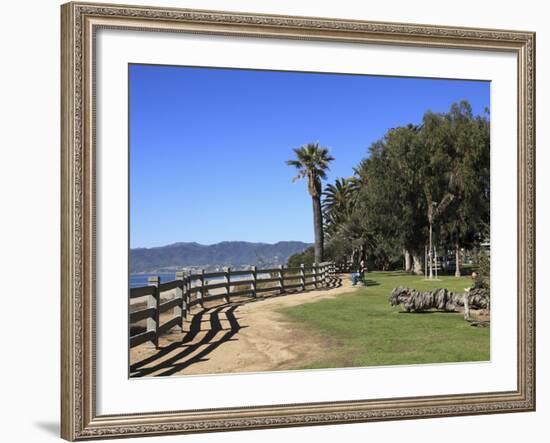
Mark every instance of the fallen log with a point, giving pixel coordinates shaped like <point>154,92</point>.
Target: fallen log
<point>440,299</point>
<point>479,324</point>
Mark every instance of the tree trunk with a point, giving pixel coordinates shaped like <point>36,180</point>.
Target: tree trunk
<point>430,254</point>
<point>417,264</point>
<point>362,252</point>
<point>318,229</point>
<point>457,260</point>
<point>407,254</point>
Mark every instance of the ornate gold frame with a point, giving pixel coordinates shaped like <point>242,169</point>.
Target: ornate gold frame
<point>79,420</point>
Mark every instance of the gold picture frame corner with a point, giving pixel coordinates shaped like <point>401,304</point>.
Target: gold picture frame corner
<point>79,22</point>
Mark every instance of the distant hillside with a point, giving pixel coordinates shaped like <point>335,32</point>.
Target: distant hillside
<point>229,253</point>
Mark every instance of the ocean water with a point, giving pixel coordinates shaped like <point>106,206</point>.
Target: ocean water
<point>138,280</point>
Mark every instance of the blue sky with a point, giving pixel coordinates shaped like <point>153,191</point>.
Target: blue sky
<point>208,146</point>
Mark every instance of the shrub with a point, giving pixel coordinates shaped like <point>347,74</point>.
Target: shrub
<point>484,270</point>
<point>306,258</point>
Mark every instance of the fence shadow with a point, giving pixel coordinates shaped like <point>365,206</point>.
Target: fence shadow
<point>168,360</point>
<point>333,282</point>
<point>188,355</point>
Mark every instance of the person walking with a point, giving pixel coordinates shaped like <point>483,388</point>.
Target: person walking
<point>359,276</point>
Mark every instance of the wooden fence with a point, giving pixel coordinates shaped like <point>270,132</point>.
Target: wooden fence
<point>189,290</point>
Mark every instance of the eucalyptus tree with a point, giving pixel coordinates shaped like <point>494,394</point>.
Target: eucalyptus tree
<point>312,161</point>
<point>404,184</point>
<point>435,138</point>
<point>387,198</point>
<point>467,220</point>
<point>420,186</point>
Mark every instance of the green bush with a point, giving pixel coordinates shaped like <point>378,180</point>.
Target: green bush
<point>306,258</point>
<point>484,270</point>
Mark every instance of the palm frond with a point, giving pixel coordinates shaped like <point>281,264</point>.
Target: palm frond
<point>312,162</point>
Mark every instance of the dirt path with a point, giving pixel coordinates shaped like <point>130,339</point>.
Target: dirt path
<point>242,336</point>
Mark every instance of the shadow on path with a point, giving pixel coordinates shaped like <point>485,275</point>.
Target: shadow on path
<point>181,354</point>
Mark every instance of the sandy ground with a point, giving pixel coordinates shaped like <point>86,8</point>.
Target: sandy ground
<point>241,336</point>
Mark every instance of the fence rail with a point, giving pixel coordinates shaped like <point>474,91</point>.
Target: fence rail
<point>189,290</point>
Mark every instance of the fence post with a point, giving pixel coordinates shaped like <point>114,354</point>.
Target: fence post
<point>187,294</point>
<point>302,277</point>
<point>281,280</point>
<point>227,276</point>
<point>202,292</point>
<point>314,267</point>
<point>254,277</point>
<point>153,301</point>
<point>180,293</point>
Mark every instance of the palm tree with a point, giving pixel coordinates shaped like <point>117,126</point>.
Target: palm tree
<point>338,203</point>
<point>312,162</point>
<point>337,194</point>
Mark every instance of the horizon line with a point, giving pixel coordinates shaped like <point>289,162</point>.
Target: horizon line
<point>222,241</point>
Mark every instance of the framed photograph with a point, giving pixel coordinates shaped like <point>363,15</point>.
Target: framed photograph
<point>275,221</point>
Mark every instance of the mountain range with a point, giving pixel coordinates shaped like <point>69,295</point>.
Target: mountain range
<point>227,253</point>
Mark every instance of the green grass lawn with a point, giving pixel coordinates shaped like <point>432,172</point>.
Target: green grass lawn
<point>362,329</point>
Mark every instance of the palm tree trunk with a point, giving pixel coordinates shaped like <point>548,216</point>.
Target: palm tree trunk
<point>318,229</point>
